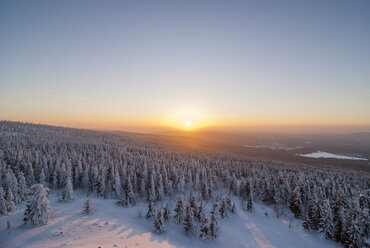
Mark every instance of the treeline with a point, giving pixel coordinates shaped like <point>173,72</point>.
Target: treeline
<point>334,203</point>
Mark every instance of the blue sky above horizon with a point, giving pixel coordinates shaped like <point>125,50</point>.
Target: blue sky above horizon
<point>119,64</point>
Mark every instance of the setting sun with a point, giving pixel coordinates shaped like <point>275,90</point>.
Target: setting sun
<point>188,123</point>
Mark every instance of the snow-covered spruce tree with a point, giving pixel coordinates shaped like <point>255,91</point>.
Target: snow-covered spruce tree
<point>214,210</point>
<point>151,190</point>
<point>77,176</point>
<point>181,184</point>
<point>233,207</point>
<point>160,191</point>
<point>204,229</point>
<point>353,234</point>
<point>213,227</point>
<point>364,223</point>
<point>205,195</point>
<point>151,210</point>
<point>340,224</point>
<point>158,224</point>
<point>30,175</point>
<point>306,222</point>
<point>189,226</point>
<point>22,187</point>
<point>313,211</point>
<point>3,208</point>
<point>12,184</point>
<point>179,210</point>
<point>68,193</point>
<point>326,224</point>
<point>250,201</point>
<point>142,188</point>
<point>234,186</point>
<point>10,205</point>
<point>42,177</point>
<point>38,209</point>
<point>193,205</point>
<point>117,187</point>
<point>86,179</point>
<point>129,195</point>
<point>200,215</point>
<point>353,229</point>
<point>87,208</point>
<point>296,202</point>
<point>223,208</point>
<point>166,212</point>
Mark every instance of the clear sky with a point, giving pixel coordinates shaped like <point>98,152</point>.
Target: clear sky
<point>143,64</point>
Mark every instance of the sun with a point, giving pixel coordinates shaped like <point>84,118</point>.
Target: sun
<point>188,118</point>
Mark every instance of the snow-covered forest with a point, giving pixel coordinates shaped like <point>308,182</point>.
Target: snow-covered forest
<point>194,190</point>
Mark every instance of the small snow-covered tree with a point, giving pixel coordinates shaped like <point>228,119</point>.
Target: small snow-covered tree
<point>296,202</point>
<point>223,208</point>
<point>213,227</point>
<point>38,209</point>
<point>10,201</point>
<point>204,229</point>
<point>30,175</point>
<point>12,183</point>
<point>193,205</point>
<point>68,193</point>
<point>22,187</point>
<point>117,187</point>
<point>188,222</point>
<point>151,210</point>
<point>166,212</point>
<point>55,179</point>
<point>200,215</point>
<point>233,207</point>
<point>142,189</point>
<point>250,202</point>
<point>214,210</point>
<point>3,208</point>
<point>205,194</point>
<point>42,177</point>
<point>158,224</point>
<point>306,222</point>
<point>179,210</point>
<point>129,197</point>
<point>151,190</point>
<point>86,179</point>
<point>87,208</point>
<point>160,192</point>
<point>234,186</point>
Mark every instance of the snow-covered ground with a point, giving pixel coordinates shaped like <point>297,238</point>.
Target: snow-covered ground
<point>115,226</point>
<point>320,154</point>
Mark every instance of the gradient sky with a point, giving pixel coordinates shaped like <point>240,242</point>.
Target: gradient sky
<point>143,64</point>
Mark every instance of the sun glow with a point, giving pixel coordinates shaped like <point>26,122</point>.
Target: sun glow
<point>187,119</point>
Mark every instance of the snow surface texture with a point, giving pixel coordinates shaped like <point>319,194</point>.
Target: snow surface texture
<point>115,226</point>
<point>320,154</point>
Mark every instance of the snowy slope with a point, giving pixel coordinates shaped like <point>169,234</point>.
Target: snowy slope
<point>116,226</point>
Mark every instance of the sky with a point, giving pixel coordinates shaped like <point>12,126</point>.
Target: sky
<point>141,65</point>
